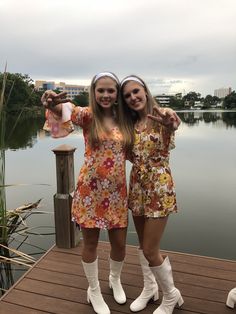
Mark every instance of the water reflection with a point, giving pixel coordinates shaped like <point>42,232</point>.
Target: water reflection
<point>21,132</point>
<point>194,117</point>
<point>203,166</point>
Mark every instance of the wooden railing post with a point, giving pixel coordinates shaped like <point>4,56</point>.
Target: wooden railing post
<point>67,234</point>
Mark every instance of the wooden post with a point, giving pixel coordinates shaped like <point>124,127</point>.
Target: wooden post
<point>67,233</point>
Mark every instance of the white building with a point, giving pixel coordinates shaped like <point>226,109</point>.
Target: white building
<point>71,89</point>
<point>222,92</point>
<point>164,99</point>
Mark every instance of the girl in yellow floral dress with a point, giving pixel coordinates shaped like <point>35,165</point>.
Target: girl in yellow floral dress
<point>152,195</point>
<point>100,199</point>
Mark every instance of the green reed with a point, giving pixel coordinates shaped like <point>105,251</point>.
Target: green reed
<point>3,230</point>
<point>13,223</point>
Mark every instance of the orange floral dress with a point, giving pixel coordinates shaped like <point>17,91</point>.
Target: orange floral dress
<point>100,199</point>
<point>151,190</point>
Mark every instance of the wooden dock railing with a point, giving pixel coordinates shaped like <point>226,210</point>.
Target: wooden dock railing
<point>67,233</point>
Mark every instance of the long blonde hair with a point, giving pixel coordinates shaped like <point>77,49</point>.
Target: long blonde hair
<point>129,115</point>
<point>96,127</point>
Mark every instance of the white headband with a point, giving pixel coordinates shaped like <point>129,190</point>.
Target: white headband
<point>131,78</point>
<point>102,74</point>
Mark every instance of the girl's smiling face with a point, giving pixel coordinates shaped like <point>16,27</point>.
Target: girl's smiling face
<point>135,96</point>
<point>106,92</point>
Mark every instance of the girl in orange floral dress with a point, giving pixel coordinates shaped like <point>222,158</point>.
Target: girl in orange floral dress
<point>100,199</point>
<point>152,195</point>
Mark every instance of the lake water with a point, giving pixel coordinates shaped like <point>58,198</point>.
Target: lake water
<point>203,166</point>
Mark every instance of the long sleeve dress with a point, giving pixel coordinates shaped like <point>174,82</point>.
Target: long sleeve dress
<point>100,198</point>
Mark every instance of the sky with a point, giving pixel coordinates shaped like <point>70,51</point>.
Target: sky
<point>174,45</point>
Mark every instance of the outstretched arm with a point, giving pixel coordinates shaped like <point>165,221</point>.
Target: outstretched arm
<point>53,101</point>
<point>58,113</point>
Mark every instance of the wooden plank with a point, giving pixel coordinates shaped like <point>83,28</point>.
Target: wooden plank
<point>58,302</point>
<point>181,268</point>
<point>45,303</point>
<point>205,306</point>
<point>57,284</point>
<point>54,305</point>
<point>59,293</point>
<point>219,265</point>
<point>132,285</point>
<point>176,256</point>
<point>8,308</point>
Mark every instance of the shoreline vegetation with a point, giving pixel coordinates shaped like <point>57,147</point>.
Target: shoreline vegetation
<point>14,231</point>
<point>22,96</point>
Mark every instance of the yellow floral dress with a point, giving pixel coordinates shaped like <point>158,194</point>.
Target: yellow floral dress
<point>151,190</point>
<point>100,199</point>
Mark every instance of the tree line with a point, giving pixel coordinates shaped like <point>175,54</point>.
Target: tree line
<point>20,94</point>
<point>188,100</point>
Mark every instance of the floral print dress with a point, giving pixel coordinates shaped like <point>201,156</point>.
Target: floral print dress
<point>100,199</point>
<point>151,191</point>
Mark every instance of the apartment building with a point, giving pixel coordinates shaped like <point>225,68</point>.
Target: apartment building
<point>71,89</point>
<point>164,99</point>
<point>222,92</point>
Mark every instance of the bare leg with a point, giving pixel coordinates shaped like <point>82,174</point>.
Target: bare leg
<point>153,231</point>
<point>90,243</point>
<point>139,223</point>
<point>117,239</point>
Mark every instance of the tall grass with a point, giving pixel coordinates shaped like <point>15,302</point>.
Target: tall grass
<point>3,230</point>
<point>12,223</point>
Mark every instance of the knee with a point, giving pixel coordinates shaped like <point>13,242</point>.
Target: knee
<point>149,254</point>
<point>90,246</point>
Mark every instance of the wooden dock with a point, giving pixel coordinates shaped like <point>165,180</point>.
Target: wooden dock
<point>56,284</point>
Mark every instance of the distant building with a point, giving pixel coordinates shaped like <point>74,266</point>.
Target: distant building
<point>197,105</point>
<point>222,92</point>
<point>71,89</point>
<point>179,95</point>
<point>164,99</point>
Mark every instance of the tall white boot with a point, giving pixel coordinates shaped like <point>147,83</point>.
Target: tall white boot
<point>150,289</point>
<point>114,281</point>
<point>171,295</point>
<point>231,299</point>
<point>94,295</point>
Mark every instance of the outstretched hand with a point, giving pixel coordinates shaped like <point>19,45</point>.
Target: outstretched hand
<point>166,117</point>
<point>51,99</point>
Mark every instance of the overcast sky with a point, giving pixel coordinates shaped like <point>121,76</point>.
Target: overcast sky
<point>174,45</point>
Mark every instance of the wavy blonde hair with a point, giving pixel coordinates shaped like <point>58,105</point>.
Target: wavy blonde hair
<point>131,116</point>
<point>97,128</point>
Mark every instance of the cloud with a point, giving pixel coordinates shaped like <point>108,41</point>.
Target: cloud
<point>186,43</point>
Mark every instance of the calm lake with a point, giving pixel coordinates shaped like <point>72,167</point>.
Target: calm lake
<point>203,166</point>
